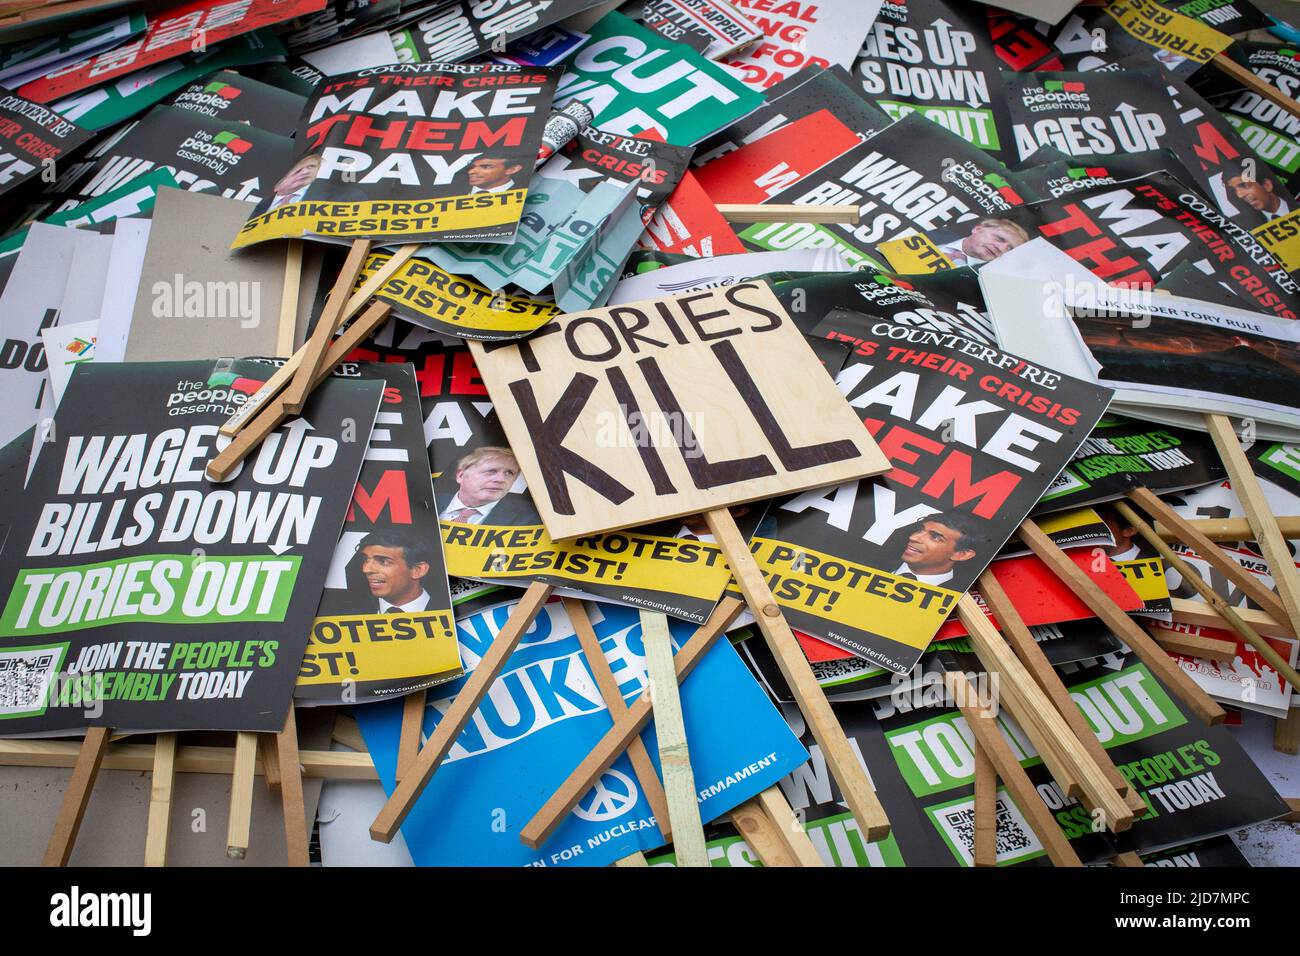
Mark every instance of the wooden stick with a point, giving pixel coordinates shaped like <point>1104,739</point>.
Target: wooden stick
<point>376,280</point>
<point>1286,733</point>
<point>270,388</point>
<point>1022,791</point>
<point>636,859</point>
<point>291,799</point>
<point>788,829</point>
<point>1193,645</point>
<point>76,797</point>
<point>761,834</point>
<point>1231,529</point>
<point>637,753</point>
<point>305,376</point>
<point>539,829</point>
<point>1129,859</point>
<point>1203,546</point>
<point>840,758</point>
<point>282,376</point>
<point>1246,77</point>
<point>1040,669</point>
<point>320,764</point>
<point>241,795</point>
<point>1212,597</point>
<point>1087,590</point>
<point>670,732</point>
<point>409,788</point>
<point>1266,532</point>
<point>408,741</point>
<point>1200,614</point>
<point>348,733</point>
<point>756,212</point>
<point>289,299</point>
<point>160,800</point>
<point>270,757</point>
<point>1064,753</point>
<point>986,809</point>
<point>269,417</point>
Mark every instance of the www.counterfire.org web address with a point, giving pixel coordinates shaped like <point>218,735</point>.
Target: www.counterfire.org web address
<point>1178,921</point>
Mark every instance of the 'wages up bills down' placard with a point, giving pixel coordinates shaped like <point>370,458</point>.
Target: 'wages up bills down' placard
<point>671,407</point>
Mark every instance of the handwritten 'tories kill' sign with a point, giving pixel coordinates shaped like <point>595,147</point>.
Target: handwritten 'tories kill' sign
<point>670,407</point>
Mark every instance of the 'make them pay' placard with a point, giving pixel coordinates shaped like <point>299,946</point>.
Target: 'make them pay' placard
<point>669,407</point>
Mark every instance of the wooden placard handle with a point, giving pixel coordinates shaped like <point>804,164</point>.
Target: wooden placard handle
<point>1064,754</point>
<point>139,758</point>
<point>285,373</point>
<point>1195,645</point>
<point>1221,607</point>
<point>1286,733</point>
<point>780,840</point>
<point>757,212</point>
<point>989,737</point>
<point>76,797</point>
<point>539,829</point>
<point>1230,529</point>
<point>1266,532</point>
<point>408,739</point>
<point>267,418</point>
<point>288,322</point>
<point>841,760</point>
<point>1190,536</point>
<point>305,375</point>
<point>1022,642</point>
<point>291,798</point>
<point>472,692</point>
<point>1123,626</point>
<point>986,808</point>
<point>270,757</point>
<point>1247,78</point>
<point>241,795</point>
<point>161,787</point>
<point>607,683</point>
<point>670,733</point>
<point>1200,614</point>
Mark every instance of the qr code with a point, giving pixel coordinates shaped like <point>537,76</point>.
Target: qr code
<point>839,670</point>
<point>1064,482</point>
<point>25,678</point>
<point>1015,840</point>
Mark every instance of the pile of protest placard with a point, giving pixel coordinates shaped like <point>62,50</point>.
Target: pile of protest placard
<point>684,432</point>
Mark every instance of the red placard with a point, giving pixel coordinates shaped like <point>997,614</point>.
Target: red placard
<point>689,223</point>
<point>169,33</point>
<point>767,166</point>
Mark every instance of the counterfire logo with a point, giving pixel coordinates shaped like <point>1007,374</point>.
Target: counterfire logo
<point>77,909</point>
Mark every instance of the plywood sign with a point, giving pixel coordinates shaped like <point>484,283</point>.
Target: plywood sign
<point>658,409</point>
